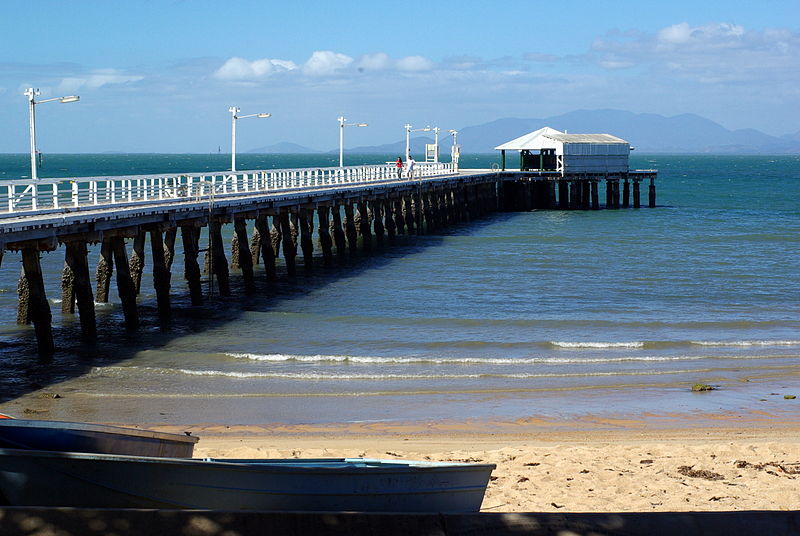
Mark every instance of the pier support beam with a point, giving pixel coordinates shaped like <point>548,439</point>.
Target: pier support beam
<point>243,249</point>
<point>169,246</point>
<point>306,224</point>
<point>636,196</point>
<point>388,221</point>
<point>289,244</point>
<point>190,237</point>
<point>125,285</point>
<point>362,221</point>
<point>105,267</point>
<point>77,260</point>
<point>136,263</point>
<point>23,299</point>
<point>39,307</point>
<point>161,275</point>
<point>626,193</point>
<point>323,232</point>
<point>563,194</point>
<point>399,219</point>
<point>377,221</point>
<point>412,212</point>
<point>574,195</point>
<point>219,264</point>
<point>275,236</point>
<point>337,231</point>
<point>595,196</point>
<point>265,244</point>
<point>652,192</point>
<point>255,245</point>
<point>350,228</point>
<point>67,290</point>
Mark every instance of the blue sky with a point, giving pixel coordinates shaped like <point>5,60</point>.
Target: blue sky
<point>159,76</point>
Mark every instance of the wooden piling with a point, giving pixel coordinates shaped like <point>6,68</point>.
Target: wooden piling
<point>77,259</point>
<point>219,264</point>
<point>265,244</point>
<point>399,219</point>
<point>245,258</point>
<point>169,246</point>
<point>595,196</point>
<point>586,199</point>
<point>190,237</point>
<point>636,196</point>
<point>136,264</point>
<point>161,275</point>
<point>323,232</point>
<point>563,194</point>
<point>306,224</point>
<point>350,228</point>
<point>67,290</point>
<point>255,245</point>
<point>362,221</point>
<point>39,307</point>
<point>338,232</point>
<point>574,195</point>
<point>234,252</point>
<point>615,184</point>
<point>626,193</point>
<point>289,245</point>
<point>23,299</point>
<point>412,212</point>
<point>377,224</point>
<point>105,266</point>
<point>125,284</point>
<point>389,221</point>
<point>652,193</point>
<point>276,238</point>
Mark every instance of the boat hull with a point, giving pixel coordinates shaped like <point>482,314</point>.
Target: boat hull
<point>35,478</point>
<point>94,438</point>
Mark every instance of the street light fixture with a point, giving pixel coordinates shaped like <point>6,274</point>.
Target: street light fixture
<point>32,93</point>
<point>343,123</point>
<point>409,130</point>
<point>234,111</point>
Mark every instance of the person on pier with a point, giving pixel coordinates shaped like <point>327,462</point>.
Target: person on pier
<point>399,165</point>
<point>410,167</point>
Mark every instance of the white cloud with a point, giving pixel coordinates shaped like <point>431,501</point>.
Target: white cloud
<point>95,80</point>
<point>374,62</point>
<point>326,62</point>
<point>240,69</point>
<point>414,63</point>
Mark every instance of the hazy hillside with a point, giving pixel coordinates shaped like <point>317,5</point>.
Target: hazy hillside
<point>283,147</point>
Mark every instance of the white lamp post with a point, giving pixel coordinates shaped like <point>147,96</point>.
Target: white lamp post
<point>436,144</point>
<point>343,123</point>
<point>32,93</point>
<point>234,111</point>
<point>453,155</point>
<point>409,130</point>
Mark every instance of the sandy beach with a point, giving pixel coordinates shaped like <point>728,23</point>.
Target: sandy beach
<point>752,466</point>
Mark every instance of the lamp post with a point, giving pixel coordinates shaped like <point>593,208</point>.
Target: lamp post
<point>234,111</point>
<point>453,155</point>
<point>32,93</point>
<point>436,144</point>
<point>409,130</point>
<point>343,123</point>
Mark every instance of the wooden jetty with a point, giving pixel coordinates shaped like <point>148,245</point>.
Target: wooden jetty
<point>271,211</point>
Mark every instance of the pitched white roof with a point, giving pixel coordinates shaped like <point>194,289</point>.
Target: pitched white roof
<point>526,141</point>
<point>544,138</point>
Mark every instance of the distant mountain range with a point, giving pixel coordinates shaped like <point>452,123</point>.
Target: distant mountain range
<point>648,133</point>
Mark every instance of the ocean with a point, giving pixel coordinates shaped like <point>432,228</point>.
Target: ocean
<point>541,314</point>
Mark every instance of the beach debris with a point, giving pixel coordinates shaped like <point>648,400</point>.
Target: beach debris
<point>584,471</point>
<point>31,411</point>
<point>532,464</point>
<point>554,505</point>
<point>688,470</point>
<point>390,453</point>
<point>48,395</point>
<point>522,479</point>
<point>645,462</point>
<point>784,468</point>
<point>789,397</point>
<point>700,387</point>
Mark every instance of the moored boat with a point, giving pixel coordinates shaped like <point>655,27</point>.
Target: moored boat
<point>92,438</point>
<point>39,478</point>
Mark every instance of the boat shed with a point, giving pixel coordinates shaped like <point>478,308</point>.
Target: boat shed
<point>548,149</point>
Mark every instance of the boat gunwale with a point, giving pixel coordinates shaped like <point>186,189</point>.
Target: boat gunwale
<point>97,428</point>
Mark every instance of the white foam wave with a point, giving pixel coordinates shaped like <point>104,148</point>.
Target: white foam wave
<point>589,344</point>
<point>371,360</point>
<point>747,343</point>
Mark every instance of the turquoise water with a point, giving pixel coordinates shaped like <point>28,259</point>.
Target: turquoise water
<point>551,313</point>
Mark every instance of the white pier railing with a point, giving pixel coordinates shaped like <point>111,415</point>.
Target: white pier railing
<point>26,197</point>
